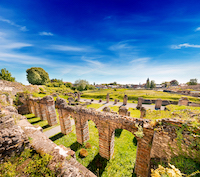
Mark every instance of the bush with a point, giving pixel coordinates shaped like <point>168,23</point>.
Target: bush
<point>83,153</point>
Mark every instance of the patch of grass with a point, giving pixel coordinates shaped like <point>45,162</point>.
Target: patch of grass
<point>123,160</point>
<point>134,112</point>
<point>133,95</point>
<point>94,105</point>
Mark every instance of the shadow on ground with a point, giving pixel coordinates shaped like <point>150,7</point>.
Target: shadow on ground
<point>57,136</point>
<point>35,122</point>
<point>97,165</point>
<point>76,146</point>
<point>45,126</point>
<point>118,132</point>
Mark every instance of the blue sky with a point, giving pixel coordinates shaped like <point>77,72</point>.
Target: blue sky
<point>104,41</point>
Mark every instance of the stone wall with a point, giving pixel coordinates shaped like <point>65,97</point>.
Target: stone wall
<point>167,143</point>
<point>41,107</point>
<point>158,139</point>
<point>12,138</point>
<point>106,124</point>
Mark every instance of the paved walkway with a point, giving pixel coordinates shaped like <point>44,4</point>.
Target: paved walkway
<point>57,129</point>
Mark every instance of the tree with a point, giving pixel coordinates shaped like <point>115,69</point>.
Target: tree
<point>153,84</point>
<point>37,76</point>
<point>81,84</point>
<point>192,82</point>
<point>174,83</point>
<point>148,83</point>
<point>6,75</point>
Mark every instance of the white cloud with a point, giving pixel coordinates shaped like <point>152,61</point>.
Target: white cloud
<point>122,45</point>
<point>22,28</point>
<point>144,60</point>
<point>72,48</point>
<point>186,45</point>
<point>16,45</point>
<point>197,29</point>
<point>44,33</point>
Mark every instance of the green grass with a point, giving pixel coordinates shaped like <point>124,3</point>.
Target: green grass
<point>123,160</point>
<point>133,95</point>
<point>134,112</point>
<point>29,163</point>
<point>94,105</point>
<point>42,123</point>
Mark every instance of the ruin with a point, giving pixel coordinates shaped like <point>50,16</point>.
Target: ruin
<point>125,100</point>
<point>107,98</point>
<point>143,112</point>
<point>158,104</point>
<point>183,101</point>
<point>140,101</point>
<point>157,140</point>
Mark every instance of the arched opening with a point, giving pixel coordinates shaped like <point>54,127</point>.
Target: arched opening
<point>123,159</point>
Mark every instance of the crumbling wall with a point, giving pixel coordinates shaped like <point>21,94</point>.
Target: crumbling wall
<point>106,124</point>
<point>173,137</point>
<point>12,138</point>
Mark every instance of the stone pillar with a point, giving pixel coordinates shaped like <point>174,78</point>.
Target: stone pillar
<point>106,141</point>
<point>140,100</point>
<point>47,110</point>
<point>142,165</point>
<point>123,111</point>
<point>43,110</point>
<point>52,118</point>
<point>115,102</point>
<point>158,104</point>
<point>107,98</point>
<point>143,112</point>
<point>65,121</point>
<point>36,106</point>
<point>125,100</point>
<point>79,97</point>
<point>183,101</point>
<point>82,130</point>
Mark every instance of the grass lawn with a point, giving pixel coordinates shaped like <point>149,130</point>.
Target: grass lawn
<point>42,123</point>
<point>134,112</point>
<point>133,95</point>
<point>94,105</point>
<point>123,160</point>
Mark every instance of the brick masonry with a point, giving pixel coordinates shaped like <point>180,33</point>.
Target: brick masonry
<point>157,142</point>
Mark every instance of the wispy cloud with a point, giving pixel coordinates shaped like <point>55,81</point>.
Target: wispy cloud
<point>16,45</point>
<point>126,44</point>
<point>72,48</point>
<point>44,33</point>
<point>197,29</point>
<point>22,28</point>
<point>144,60</point>
<point>186,45</point>
<point>24,59</point>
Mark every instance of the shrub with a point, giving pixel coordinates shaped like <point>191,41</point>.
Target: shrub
<point>83,153</point>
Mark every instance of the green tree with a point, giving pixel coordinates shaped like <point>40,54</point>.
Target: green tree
<point>6,75</point>
<point>37,76</point>
<point>174,83</point>
<point>81,84</point>
<point>153,84</point>
<point>148,84</point>
<point>192,82</point>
